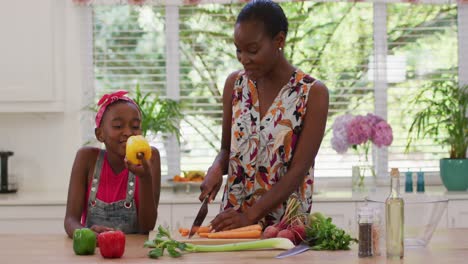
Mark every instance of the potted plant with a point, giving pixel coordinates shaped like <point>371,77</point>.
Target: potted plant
<point>443,117</point>
<point>159,115</point>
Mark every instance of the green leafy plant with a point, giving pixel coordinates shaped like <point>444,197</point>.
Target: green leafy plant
<point>163,241</point>
<point>322,234</point>
<point>159,114</point>
<point>444,106</point>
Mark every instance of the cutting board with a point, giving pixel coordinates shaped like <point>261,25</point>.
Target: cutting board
<point>202,240</point>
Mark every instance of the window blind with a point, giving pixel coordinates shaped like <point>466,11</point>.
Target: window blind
<point>333,41</point>
<point>422,47</point>
<point>129,49</point>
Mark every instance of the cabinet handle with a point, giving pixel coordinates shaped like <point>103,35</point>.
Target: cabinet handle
<point>453,222</point>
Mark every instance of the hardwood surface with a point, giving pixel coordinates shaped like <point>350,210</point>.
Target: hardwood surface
<point>447,246</point>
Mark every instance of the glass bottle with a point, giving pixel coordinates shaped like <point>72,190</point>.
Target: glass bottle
<point>365,219</point>
<point>394,213</point>
<point>420,185</point>
<point>409,182</point>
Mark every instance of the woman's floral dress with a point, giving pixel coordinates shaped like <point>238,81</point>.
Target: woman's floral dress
<point>262,149</point>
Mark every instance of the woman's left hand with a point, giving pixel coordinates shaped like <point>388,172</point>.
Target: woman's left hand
<point>230,219</point>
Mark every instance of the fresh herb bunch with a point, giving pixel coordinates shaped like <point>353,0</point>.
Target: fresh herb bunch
<point>322,234</point>
<point>163,241</point>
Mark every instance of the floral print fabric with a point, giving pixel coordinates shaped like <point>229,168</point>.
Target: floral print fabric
<point>262,148</point>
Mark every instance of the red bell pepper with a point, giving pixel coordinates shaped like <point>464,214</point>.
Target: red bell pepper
<point>111,244</point>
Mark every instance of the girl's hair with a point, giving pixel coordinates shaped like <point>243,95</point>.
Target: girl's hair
<point>268,12</point>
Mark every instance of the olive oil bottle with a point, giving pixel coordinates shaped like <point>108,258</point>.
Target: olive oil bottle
<point>394,213</point>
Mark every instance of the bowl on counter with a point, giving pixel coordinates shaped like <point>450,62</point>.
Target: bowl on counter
<point>422,214</point>
<point>185,187</point>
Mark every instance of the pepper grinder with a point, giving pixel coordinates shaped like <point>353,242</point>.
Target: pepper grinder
<point>4,187</point>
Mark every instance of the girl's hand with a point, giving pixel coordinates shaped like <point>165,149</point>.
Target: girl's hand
<point>139,170</point>
<point>229,219</point>
<point>211,184</point>
<point>99,229</point>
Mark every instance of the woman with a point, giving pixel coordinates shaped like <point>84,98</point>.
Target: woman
<point>274,117</point>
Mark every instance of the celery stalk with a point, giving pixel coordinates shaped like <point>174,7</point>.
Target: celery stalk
<point>279,243</point>
<point>175,248</point>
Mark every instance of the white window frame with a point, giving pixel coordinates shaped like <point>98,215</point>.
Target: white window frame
<point>380,156</point>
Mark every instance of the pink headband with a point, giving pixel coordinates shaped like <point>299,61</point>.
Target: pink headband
<point>108,99</point>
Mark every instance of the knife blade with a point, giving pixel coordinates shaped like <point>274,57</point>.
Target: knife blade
<point>293,251</point>
<point>200,217</point>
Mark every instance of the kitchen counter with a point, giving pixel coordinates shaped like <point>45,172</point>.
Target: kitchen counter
<point>447,246</point>
<point>168,196</point>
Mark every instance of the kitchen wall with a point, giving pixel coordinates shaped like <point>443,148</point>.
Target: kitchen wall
<point>43,88</point>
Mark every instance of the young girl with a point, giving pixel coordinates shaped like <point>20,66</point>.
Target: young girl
<point>106,192</point>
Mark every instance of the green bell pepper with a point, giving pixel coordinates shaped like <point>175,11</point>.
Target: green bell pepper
<point>84,241</point>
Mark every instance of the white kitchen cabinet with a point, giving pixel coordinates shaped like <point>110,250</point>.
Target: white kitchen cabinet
<point>183,215</point>
<point>32,53</point>
<point>458,214</point>
<point>32,219</point>
<point>413,214</point>
<point>342,213</point>
<point>164,215</point>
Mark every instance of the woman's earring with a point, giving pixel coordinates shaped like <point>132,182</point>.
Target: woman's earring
<point>280,48</point>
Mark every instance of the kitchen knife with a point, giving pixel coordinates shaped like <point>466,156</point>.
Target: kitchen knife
<point>293,251</point>
<point>200,217</point>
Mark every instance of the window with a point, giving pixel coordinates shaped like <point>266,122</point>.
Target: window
<point>335,42</point>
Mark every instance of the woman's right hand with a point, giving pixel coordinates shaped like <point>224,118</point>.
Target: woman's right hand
<point>211,184</point>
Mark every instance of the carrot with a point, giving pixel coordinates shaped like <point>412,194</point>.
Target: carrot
<point>204,229</point>
<point>246,228</point>
<point>239,234</point>
<point>203,234</point>
<point>184,231</point>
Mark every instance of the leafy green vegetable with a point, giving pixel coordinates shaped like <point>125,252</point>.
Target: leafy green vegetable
<point>322,234</point>
<point>175,249</point>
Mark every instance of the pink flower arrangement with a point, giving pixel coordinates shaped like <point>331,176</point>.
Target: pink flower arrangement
<point>349,130</point>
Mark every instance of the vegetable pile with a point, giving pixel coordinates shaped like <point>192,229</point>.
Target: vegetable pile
<point>292,225</point>
<point>322,234</point>
<point>314,229</point>
<point>163,241</point>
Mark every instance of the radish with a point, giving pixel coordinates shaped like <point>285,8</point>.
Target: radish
<point>299,233</point>
<point>270,232</point>
<point>286,233</point>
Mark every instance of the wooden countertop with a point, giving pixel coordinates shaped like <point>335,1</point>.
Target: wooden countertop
<point>447,246</point>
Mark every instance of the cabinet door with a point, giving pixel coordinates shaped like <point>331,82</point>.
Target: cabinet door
<point>342,213</point>
<point>164,216</point>
<point>32,219</point>
<point>183,215</point>
<point>29,49</point>
<point>458,213</point>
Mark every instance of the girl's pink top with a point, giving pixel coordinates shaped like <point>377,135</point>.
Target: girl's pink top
<point>112,187</point>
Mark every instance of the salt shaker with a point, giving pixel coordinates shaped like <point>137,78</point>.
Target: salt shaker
<point>365,221</point>
<point>377,232</point>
